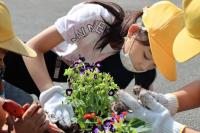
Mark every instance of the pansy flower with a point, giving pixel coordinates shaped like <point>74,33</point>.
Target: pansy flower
<point>69,92</point>
<point>95,129</point>
<point>97,64</point>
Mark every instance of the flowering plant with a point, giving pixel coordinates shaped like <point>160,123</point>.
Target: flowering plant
<point>92,93</point>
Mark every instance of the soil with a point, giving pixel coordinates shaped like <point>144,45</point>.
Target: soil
<point>74,128</point>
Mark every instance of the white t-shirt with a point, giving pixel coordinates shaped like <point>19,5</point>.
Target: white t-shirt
<point>81,28</point>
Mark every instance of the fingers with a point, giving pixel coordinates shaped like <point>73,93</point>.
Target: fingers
<point>65,119</point>
<point>157,96</point>
<point>137,89</point>
<point>38,114</point>
<point>129,100</point>
<point>26,106</point>
<point>30,111</point>
<point>35,117</point>
<point>149,99</point>
<point>70,110</point>
<point>40,119</point>
<point>10,122</point>
<point>150,102</point>
<point>44,127</point>
<point>137,110</point>
<point>52,128</point>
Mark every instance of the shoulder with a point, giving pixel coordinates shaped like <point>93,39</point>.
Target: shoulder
<point>88,10</point>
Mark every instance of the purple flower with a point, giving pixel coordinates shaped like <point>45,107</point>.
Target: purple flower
<point>95,129</point>
<point>112,128</point>
<point>97,64</point>
<point>88,67</point>
<point>82,70</point>
<point>113,119</point>
<point>69,92</point>
<point>121,116</point>
<point>106,129</point>
<point>107,123</point>
<point>75,64</point>
<point>107,126</point>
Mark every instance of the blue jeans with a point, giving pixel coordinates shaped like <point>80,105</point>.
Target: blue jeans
<point>16,94</point>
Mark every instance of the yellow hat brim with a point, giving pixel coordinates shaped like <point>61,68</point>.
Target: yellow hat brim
<point>165,63</point>
<point>17,46</point>
<point>185,47</point>
<point>163,21</point>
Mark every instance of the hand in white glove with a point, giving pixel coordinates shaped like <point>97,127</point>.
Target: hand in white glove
<point>157,116</point>
<point>54,104</point>
<point>168,100</point>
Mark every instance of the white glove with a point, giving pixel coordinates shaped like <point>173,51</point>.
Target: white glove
<point>53,101</point>
<point>157,116</point>
<point>168,100</point>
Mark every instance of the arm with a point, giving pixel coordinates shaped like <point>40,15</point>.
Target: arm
<point>41,43</point>
<point>51,96</point>
<point>189,96</point>
<point>190,91</point>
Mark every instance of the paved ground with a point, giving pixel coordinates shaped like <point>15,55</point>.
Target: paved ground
<point>32,16</point>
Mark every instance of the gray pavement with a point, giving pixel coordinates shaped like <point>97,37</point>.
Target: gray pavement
<point>32,16</point>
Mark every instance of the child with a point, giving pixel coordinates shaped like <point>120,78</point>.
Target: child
<point>34,119</point>
<point>97,35</point>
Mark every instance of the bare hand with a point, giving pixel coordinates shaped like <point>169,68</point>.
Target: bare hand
<point>33,121</point>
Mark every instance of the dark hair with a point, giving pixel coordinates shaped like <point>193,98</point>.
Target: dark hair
<point>119,28</point>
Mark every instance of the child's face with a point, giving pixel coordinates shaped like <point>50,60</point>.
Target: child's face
<point>139,53</point>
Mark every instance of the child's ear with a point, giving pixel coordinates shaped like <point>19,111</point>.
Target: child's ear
<point>133,29</point>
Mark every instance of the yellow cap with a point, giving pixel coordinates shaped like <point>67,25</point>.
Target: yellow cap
<point>163,21</point>
<point>8,39</point>
<point>187,42</point>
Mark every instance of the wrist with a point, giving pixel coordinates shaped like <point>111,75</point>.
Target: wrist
<point>173,104</point>
<point>50,93</point>
<point>172,126</point>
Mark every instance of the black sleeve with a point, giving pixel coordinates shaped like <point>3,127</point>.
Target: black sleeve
<point>122,76</point>
<point>145,79</point>
<point>17,74</point>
